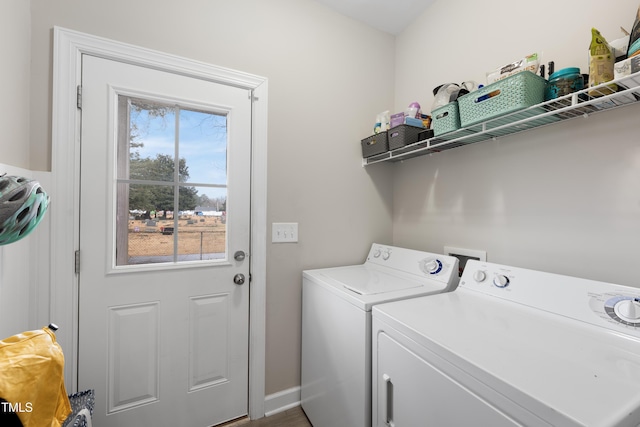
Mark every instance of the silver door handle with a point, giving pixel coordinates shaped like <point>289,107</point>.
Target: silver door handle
<point>238,279</point>
<point>239,256</point>
<point>387,401</point>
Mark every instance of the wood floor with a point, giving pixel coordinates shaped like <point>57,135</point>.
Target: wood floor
<point>294,417</point>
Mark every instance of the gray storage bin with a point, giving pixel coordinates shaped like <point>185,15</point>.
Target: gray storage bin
<point>375,144</point>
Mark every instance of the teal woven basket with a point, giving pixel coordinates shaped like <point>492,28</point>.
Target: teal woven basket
<point>445,119</point>
<point>506,96</point>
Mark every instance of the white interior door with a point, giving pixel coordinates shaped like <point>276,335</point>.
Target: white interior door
<point>164,200</point>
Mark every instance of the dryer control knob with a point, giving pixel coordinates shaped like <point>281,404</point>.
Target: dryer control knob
<point>386,255</point>
<point>377,253</point>
<point>628,309</point>
<point>479,276</point>
<point>501,281</point>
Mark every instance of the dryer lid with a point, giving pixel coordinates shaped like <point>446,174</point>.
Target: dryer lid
<point>369,281</point>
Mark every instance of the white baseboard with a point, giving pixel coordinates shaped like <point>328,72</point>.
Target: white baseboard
<point>281,401</point>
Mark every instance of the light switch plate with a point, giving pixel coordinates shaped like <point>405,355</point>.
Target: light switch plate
<point>284,232</point>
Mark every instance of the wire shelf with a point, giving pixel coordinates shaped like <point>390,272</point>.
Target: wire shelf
<point>577,104</point>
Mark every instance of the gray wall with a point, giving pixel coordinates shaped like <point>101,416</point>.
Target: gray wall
<point>565,198</point>
<point>17,307</point>
<point>15,35</point>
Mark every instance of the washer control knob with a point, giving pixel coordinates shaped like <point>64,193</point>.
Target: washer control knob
<point>386,254</point>
<point>628,309</point>
<point>377,253</point>
<point>479,276</point>
<point>501,281</point>
<point>431,266</point>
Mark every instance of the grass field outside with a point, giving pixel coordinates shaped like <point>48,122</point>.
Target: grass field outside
<point>196,235</point>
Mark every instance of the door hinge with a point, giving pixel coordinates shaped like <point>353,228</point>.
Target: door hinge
<point>79,97</point>
<point>252,97</point>
<point>77,262</point>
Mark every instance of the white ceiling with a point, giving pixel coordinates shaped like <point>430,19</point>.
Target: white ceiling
<point>391,16</point>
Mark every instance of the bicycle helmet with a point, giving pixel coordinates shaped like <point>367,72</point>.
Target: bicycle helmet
<point>23,203</point>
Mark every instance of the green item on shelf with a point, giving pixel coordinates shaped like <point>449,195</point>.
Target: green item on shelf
<point>601,61</point>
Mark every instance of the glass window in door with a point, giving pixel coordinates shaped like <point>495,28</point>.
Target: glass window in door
<point>171,191</point>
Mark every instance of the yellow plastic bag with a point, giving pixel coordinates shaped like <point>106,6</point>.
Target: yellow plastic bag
<point>32,378</point>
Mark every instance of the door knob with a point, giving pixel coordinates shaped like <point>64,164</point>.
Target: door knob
<point>239,256</point>
<point>238,279</point>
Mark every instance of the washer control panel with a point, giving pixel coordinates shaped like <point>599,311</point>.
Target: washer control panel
<point>442,268</point>
<point>604,304</point>
<point>381,252</point>
<point>431,265</point>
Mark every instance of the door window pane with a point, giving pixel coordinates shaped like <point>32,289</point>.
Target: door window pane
<point>161,218</point>
<point>151,137</point>
<point>203,145</point>
<point>201,231</point>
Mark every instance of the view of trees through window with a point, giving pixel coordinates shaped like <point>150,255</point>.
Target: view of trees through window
<point>172,183</point>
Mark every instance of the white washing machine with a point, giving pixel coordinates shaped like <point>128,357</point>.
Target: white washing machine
<point>336,326</point>
<point>509,347</point>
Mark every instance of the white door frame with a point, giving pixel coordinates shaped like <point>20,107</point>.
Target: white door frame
<point>68,48</point>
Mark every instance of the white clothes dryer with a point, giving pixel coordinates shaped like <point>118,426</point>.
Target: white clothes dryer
<point>336,326</point>
<point>509,347</point>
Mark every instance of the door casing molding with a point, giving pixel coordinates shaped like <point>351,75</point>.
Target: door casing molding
<point>68,48</point>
